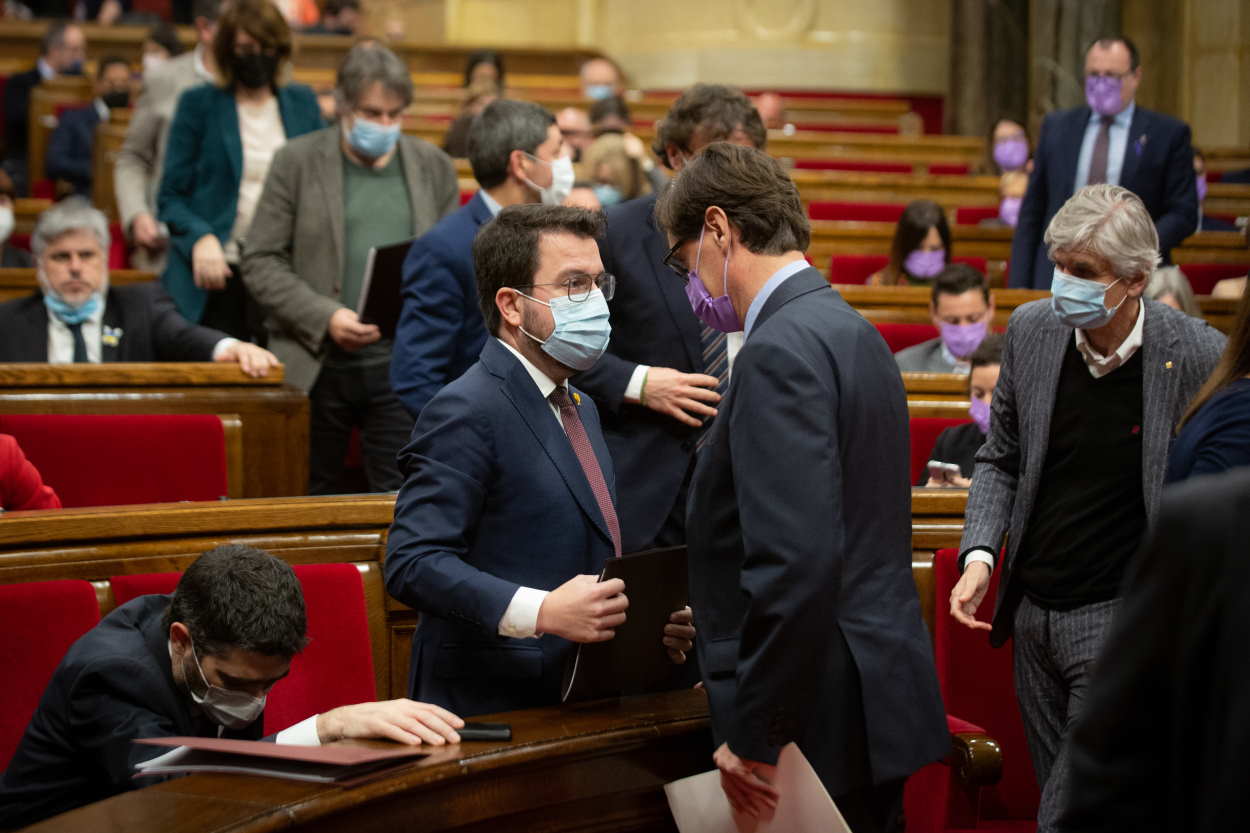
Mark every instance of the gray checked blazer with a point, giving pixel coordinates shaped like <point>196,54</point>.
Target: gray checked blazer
<point>1178,353</point>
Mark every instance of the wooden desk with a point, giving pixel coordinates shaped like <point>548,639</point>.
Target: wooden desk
<point>26,211</point>
<point>45,100</point>
<point>18,283</point>
<point>274,415</point>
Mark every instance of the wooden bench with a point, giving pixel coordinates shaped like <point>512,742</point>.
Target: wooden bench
<point>274,415</point>
<point>18,283</point>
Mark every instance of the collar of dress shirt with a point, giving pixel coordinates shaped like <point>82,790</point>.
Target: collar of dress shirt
<point>494,208</point>
<point>101,109</point>
<point>1100,365</point>
<point>544,382</point>
<point>200,68</point>
<point>761,297</point>
<point>1124,118</point>
<point>45,69</point>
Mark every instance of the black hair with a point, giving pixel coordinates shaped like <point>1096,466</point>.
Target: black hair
<point>55,36</point>
<point>483,56</point>
<point>989,351</point>
<point>710,112</point>
<point>956,279</point>
<point>1107,41</point>
<point>607,108</point>
<point>166,36</point>
<point>108,61</point>
<point>504,126</point>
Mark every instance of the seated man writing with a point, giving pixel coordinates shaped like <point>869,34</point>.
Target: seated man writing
<point>77,317</point>
<point>197,663</point>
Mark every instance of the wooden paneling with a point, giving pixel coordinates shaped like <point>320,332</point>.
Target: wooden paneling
<point>18,283</point>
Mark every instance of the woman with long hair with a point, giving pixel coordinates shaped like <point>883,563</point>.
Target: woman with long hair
<point>921,247</point>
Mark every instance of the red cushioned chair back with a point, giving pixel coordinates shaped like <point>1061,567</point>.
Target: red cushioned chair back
<point>901,336</point>
<point>977,263</point>
<point>855,268</point>
<point>971,215</point>
<point>948,169</point>
<point>466,195</point>
<point>866,212</point>
<point>977,684</point>
<point>126,588</point>
<point>104,460</point>
<point>924,433</point>
<point>40,620</point>
<point>851,165</point>
<point>1204,276</point>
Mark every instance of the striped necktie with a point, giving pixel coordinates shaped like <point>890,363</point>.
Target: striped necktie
<point>715,363</point>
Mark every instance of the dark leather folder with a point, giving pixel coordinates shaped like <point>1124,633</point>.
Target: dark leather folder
<point>380,300</point>
<point>635,660</point>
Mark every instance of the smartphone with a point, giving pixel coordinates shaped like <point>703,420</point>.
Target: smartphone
<point>943,472</point>
<point>485,731</point>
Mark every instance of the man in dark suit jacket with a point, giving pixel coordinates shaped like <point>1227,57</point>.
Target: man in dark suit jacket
<point>1164,743</point>
<point>1112,140</point>
<point>1092,385</point>
<point>77,317</point>
<point>799,523</point>
<point>506,516</point>
<point>198,663</point>
<point>653,386</point>
<point>514,147</point>
<point>69,149</point>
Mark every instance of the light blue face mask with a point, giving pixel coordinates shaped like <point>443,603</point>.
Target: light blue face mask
<point>598,92</point>
<point>68,313</point>
<point>607,194</point>
<point>1081,303</point>
<point>581,333</point>
<point>372,139</point>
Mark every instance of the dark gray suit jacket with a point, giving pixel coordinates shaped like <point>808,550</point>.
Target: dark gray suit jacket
<point>799,547</point>
<point>1178,353</point>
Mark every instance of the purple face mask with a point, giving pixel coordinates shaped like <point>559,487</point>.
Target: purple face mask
<point>1011,154</point>
<point>979,410</point>
<point>1102,94</point>
<point>717,313</point>
<point>1009,210</point>
<point>922,264</point>
<point>1201,184</point>
<point>962,339</point>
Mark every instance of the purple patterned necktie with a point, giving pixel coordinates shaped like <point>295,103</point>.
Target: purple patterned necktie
<point>578,438</point>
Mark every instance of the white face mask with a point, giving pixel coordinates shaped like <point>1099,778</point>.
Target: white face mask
<point>562,178</point>
<point>6,222</point>
<point>232,709</point>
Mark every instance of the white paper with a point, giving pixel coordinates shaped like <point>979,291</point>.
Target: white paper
<point>699,804</point>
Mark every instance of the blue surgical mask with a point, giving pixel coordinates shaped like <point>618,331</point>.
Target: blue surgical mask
<point>371,139</point>
<point>607,194</point>
<point>68,313</point>
<point>581,333</point>
<point>598,92</point>
<point>1081,303</point>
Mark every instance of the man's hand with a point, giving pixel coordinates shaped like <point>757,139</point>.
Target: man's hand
<point>405,721</point>
<point>968,594</point>
<point>686,397</point>
<point>679,634</point>
<point>254,361</point>
<point>747,784</point>
<point>584,609</point>
<point>146,232</point>
<point>347,331</point>
<point>208,263</point>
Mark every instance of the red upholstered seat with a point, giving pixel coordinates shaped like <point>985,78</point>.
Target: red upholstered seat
<point>103,460</point>
<point>902,336</point>
<point>336,669</point>
<point>40,620</point>
<point>851,165</point>
<point>855,268</point>
<point>924,433</point>
<point>949,169</point>
<point>119,254</point>
<point>977,263</point>
<point>43,189</point>
<point>971,215</point>
<point>466,195</point>
<point>1204,276</point>
<point>865,212</point>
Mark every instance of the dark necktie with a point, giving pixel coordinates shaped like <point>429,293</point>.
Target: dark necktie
<point>80,344</point>
<point>576,432</point>
<point>1102,144</point>
<point>715,363</point>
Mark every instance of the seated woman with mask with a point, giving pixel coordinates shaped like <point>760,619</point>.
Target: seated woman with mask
<point>959,445</point>
<point>921,247</point>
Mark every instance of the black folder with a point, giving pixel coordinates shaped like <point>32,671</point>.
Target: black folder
<point>380,301</point>
<point>634,661</point>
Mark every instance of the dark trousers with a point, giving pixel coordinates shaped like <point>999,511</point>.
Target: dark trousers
<point>1054,653</point>
<point>233,311</point>
<point>875,809</point>
<point>347,397</point>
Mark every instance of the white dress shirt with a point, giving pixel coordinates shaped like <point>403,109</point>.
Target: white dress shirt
<point>1117,135</point>
<point>61,340</point>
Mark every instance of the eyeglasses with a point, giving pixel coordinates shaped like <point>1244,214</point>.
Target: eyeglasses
<point>670,260</point>
<point>579,287</point>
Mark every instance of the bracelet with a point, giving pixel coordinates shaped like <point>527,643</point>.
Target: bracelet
<point>642,391</point>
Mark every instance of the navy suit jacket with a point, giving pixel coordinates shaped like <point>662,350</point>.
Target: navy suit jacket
<point>114,685</point>
<point>441,330</point>
<point>1158,167</point>
<point>652,324</point>
<point>69,149</point>
<point>151,329</point>
<point>17,112</point>
<point>799,547</point>
<point>493,499</point>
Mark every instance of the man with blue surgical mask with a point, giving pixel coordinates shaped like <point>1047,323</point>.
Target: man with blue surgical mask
<point>1093,382</point>
<point>600,79</point>
<point>507,513</point>
<point>1109,140</point>
<point>329,198</point>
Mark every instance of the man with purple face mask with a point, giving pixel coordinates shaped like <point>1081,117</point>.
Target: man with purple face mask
<point>962,310</point>
<point>1109,140</point>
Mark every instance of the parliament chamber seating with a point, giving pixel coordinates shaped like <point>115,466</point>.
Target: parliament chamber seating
<point>1204,276</point>
<point>103,460</point>
<point>924,432</point>
<point>857,269</point>
<point>974,215</point>
<point>901,336</point>
<point>39,620</point>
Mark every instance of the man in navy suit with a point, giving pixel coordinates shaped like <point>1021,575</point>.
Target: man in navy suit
<point>664,372</point>
<point>1111,140</point>
<point>506,514</point>
<point>69,149</point>
<point>518,156</point>
<point>798,531</point>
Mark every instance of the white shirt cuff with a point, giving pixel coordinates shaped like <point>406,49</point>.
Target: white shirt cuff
<point>980,554</point>
<point>520,620</point>
<point>633,391</point>
<point>303,733</point>
<point>222,346</point>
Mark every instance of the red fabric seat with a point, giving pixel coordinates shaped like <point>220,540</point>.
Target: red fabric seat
<point>1204,276</point>
<point>855,268</point>
<point>949,169</point>
<point>924,433</point>
<point>852,165</point>
<point>336,669</point>
<point>901,336</point>
<point>977,263</point>
<point>971,215</point>
<point>105,460</point>
<point>40,620</point>
<point>119,254</point>
<point>466,195</point>
<point>864,212</point>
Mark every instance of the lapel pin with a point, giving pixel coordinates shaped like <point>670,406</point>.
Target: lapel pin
<point>110,336</point>
<point>1167,365</point>
<point>577,398</point>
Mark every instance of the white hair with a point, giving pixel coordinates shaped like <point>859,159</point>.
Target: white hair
<point>1170,280</point>
<point>1110,222</point>
<point>71,214</point>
